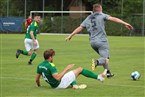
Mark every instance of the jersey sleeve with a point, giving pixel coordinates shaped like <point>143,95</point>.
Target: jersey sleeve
<point>38,70</point>
<point>106,16</point>
<point>83,24</point>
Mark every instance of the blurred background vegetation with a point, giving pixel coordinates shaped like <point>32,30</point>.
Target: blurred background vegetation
<point>128,10</point>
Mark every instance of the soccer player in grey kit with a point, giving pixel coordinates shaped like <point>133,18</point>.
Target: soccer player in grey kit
<point>95,25</point>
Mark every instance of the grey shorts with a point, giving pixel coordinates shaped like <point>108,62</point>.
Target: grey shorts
<point>101,48</point>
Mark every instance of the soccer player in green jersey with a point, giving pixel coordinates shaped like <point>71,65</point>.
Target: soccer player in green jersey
<point>64,79</point>
<point>31,42</point>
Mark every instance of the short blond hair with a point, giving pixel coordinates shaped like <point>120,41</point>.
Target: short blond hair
<point>97,8</point>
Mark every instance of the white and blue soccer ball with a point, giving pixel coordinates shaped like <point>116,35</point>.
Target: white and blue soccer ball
<point>135,75</point>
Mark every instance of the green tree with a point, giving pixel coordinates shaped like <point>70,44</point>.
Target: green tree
<point>3,6</point>
<point>132,6</point>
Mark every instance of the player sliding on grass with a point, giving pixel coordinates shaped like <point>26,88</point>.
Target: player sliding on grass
<point>31,43</point>
<point>64,79</point>
<point>95,25</point>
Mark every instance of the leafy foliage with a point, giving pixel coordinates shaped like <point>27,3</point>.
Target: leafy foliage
<point>16,7</point>
<point>127,10</point>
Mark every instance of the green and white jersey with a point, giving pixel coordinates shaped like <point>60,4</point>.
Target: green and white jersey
<point>47,69</point>
<point>32,27</point>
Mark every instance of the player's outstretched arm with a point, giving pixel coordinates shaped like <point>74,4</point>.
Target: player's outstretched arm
<point>117,20</point>
<point>77,30</point>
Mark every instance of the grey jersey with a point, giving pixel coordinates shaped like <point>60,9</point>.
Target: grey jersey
<point>95,24</point>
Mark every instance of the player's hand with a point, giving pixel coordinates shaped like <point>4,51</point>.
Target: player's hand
<point>68,38</point>
<point>35,43</point>
<point>128,26</point>
<point>70,66</point>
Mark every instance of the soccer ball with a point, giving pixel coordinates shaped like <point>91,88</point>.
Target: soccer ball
<point>135,75</point>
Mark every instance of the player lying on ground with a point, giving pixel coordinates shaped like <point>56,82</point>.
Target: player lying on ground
<point>64,79</point>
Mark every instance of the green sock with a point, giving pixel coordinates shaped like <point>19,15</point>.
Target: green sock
<point>89,74</point>
<point>24,52</point>
<point>74,83</point>
<point>33,56</point>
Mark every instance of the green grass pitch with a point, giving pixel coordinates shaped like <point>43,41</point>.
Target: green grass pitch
<point>17,79</point>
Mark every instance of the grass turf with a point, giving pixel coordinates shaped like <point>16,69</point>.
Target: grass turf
<point>17,79</point>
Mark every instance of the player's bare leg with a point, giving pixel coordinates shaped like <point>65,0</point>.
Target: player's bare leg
<point>89,74</point>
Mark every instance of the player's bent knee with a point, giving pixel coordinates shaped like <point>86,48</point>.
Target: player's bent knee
<point>77,71</point>
<point>36,50</point>
<point>80,69</point>
<point>29,53</point>
<point>101,61</point>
